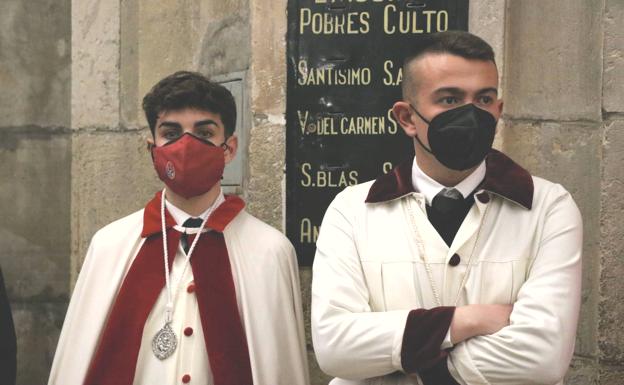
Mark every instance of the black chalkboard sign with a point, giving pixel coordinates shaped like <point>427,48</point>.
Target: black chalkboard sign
<point>344,73</point>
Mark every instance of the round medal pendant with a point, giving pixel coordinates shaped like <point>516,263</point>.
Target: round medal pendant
<point>164,342</point>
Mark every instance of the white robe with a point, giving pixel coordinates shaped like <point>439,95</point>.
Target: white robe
<point>265,275</point>
<point>369,273</point>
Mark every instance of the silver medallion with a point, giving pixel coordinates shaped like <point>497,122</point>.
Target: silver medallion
<point>164,342</point>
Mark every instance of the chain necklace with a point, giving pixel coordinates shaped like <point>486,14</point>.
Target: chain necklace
<point>421,251</point>
<point>165,341</point>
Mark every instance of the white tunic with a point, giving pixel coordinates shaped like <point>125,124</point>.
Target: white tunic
<point>268,296</point>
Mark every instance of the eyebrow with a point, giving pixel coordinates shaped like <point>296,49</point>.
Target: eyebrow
<point>488,89</point>
<point>459,91</point>
<point>200,123</point>
<point>170,124</point>
<point>205,122</point>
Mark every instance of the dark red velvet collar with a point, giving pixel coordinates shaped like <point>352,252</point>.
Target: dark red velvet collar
<point>218,220</point>
<point>503,177</point>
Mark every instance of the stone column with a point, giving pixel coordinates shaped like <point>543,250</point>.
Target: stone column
<point>35,53</point>
<point>555,127</point>
<point>611,289</point>
<point>487,20</point>
<point>111,171</point>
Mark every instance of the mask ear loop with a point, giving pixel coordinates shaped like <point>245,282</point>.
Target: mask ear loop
<point>225,146</point>
<point>424,120</point>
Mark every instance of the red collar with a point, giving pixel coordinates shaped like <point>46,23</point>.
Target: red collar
<point>503,177</point>
<point>218,220</point>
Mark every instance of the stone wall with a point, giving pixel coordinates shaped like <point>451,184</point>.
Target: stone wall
<point>564,115</point>
<point>75,156</point>
<point>35,153</point>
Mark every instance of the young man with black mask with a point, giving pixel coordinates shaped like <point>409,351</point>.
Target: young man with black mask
<point>457,267</point>
<point>191,289</point>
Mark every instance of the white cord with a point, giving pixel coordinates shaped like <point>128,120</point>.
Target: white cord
<point>171,298</point>
<point>421,250</point>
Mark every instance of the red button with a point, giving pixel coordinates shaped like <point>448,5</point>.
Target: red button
<point>190,288</point>
<point>188,331</point>
<point>186,378</point>
<point>483,197</point>
<point>455,259</point>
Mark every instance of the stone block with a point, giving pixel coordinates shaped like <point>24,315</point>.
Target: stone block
<point>160,57</point>
<point>34,216</point>
<point>568,153</point>
<point>487,20</point>
<point>95,64</point>
<point>38,326</point>
<point>611,375</point>
<point>209,37</point>
<point>265,189</point>
<point>35,54</point>
<point>305,275</point>
<point>611,307</point>
<point>613,76</point>
<point>112,176</point>
<point>224,35</point>
<point>131,111</point>
<point>582,371</point>
<point>554,59</point>
<point>268,64</point>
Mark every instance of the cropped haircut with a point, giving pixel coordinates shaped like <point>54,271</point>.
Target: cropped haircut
<point>185,89</point>
<point>459,43</point>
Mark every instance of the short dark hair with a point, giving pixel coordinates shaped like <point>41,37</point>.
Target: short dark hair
<point>185,89</point>
<point>459,43</point>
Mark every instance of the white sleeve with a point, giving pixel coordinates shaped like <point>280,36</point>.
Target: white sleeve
<point>537,346</point>
<point>350,340</point>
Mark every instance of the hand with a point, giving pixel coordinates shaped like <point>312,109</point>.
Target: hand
<point>476,320</point>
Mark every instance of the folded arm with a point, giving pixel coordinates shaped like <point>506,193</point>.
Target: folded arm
<point>353,342</point>
<point>537,346</point>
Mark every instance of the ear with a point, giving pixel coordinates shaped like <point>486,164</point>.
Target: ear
<point>150,143</point>
<point>403,114</point>
<point>232,146</point>
<point>499,111</point>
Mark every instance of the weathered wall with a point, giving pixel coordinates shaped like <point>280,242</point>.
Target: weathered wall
<point>119,53</point>
<point>564,119</point>
<point>35,48</point>
<point>611,236</point>
<point>75,154</point>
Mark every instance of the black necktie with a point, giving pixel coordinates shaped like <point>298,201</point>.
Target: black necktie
<point>191,222</point>
<point>447,200</point>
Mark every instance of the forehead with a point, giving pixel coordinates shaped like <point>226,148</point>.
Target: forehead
<point>434,71</point>
<point>189,116</point>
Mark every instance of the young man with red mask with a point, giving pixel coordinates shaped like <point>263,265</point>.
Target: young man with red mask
<point>458,266</point>
<point>191,289</point>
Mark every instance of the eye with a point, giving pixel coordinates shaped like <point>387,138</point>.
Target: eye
<point>448,100</point>
<point>204,133</point>
<point>171,134</point>
<point>485,100</point>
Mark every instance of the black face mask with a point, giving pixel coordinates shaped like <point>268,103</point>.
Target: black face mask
<point>460,138</point>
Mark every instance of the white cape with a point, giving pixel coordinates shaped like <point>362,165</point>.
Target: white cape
<point>265,273</point>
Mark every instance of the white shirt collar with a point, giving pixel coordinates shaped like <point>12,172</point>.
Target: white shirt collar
<point>424,184</point>
<point>180,216</point>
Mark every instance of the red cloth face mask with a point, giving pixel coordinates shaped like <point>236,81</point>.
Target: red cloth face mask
<point>189,166</point>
